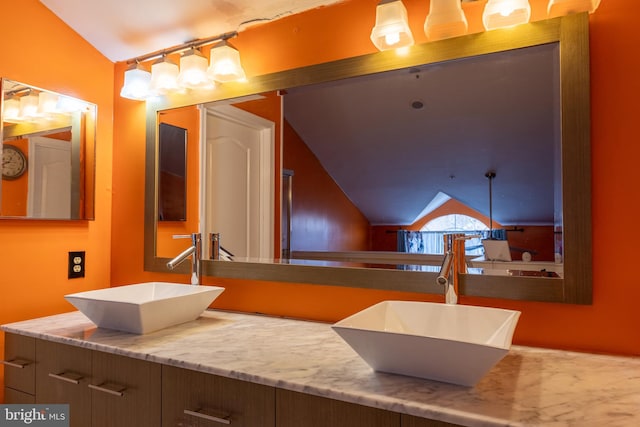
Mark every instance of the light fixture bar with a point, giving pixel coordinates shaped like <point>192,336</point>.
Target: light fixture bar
<point>184,46</point>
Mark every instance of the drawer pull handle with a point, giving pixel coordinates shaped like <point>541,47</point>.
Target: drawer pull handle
<point>16,363</point>
<point>222,419</point>
<point>113,389</point>
<point>69,377</point>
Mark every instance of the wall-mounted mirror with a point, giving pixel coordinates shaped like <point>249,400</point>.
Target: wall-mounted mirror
<point>558,131</point>
<point>48,154</point>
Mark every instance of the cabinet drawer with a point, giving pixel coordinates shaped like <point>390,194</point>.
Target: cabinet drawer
<point>15,396</point>
<point>19,363</point>
<point>62,376</point>
<point>207,397</point>
<point>304,410</point>
<point>125,392</point>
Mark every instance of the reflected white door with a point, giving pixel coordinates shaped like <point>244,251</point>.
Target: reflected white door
<point>49,178</point>
<point>238,181</point>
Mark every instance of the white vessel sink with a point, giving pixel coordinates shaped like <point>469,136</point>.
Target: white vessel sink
<point>451,343</point>
<point>144,307</point>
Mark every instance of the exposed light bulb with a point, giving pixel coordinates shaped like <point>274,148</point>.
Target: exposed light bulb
<point>392,38</point>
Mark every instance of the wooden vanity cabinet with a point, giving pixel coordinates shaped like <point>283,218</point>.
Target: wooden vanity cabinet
<point>102,389</point>
<point>212,400</point>
<point>63,374</point>
<point>295,409</point>
<point>125,391</point>
<point>19,369</point>
<point>109,390</point>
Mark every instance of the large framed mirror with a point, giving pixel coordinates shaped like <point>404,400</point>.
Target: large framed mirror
<point>563,41</point>
<point>48,154</point>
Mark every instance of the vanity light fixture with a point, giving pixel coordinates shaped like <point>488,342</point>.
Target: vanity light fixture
<point>392,26</point>
<point>565,7</point>
<point>445,19</point>
<point>193,71</point>
<point>29,105</point>
<point>47,103</point>
<point>505,13</point>
<point>164,76</point>
<point>225,63</point>
<point>11,109</point>
<point>137,83</point>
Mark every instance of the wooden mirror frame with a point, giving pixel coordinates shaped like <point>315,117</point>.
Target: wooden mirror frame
<point>572,34</point>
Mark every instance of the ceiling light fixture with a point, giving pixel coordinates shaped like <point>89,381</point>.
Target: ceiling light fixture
<point>565,7</point>
<point>11,109</point>
<point>29,105</point>
<point>505,13</point>
<point>392,26</point>
<point>445,20</point>
<point>193,71</point>
<point>164,76</point>
<point>137,83</point>
<point>225,63</point>
<point>47,103</point>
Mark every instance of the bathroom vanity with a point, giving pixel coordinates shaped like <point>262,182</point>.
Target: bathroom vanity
<point>253,370</point>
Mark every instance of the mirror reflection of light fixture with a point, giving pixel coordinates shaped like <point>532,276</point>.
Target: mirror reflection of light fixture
<point>193,71</point>
<point>392,26</point>
<point>225,63</point>
<point>565,7</point>
<point>446,19</point>
<point>11,111</point>
<point>164,76</point>
<point>137,83</point>
<point>505,13</point>
<point>47,103</point>
<point>29,105</point>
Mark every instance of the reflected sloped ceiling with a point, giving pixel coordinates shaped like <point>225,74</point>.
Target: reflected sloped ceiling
<point>495,112</point>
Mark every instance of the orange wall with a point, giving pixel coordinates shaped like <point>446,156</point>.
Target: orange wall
<point>33,254</point>
<point>609,325</point>
<point>323,218</point>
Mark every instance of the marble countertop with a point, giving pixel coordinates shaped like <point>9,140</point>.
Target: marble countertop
<point>529,387</point>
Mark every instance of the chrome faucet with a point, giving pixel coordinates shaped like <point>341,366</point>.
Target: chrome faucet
<point>195,251</point>
<point>453,264</point>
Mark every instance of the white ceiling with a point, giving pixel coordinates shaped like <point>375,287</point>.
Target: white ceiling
<point>124,29</point>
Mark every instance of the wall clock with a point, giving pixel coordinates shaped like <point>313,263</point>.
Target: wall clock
<point>14,162</point>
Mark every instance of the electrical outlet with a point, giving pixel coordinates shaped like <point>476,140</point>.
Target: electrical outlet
<point>76,265</point>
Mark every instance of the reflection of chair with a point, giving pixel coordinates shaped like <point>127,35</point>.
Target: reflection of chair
<point>496,250</point>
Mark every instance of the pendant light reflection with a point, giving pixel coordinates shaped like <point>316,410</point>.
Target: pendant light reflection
<point>11,111</point>
<point>29,106</point>
<point>392,26</point>
<point>445,20</point>
<point>565,7</point>
<point>137,83</point>
<point>225,64</point>
<point>164,76</point>
<point>47,103</point>
<point>193,71</point>
<point>505,13</point>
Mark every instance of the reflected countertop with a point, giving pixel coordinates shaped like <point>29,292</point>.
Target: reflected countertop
<point>529,387</point>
